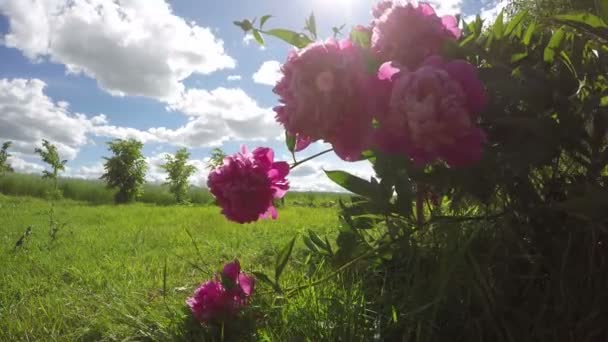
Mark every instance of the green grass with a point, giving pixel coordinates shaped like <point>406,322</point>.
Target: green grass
<point>102,278</point>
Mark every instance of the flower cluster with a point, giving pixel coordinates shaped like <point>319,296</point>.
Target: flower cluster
<point>247,183</point>
<point>223,297</point>
<point>415,103</point>
<point>388,89</point>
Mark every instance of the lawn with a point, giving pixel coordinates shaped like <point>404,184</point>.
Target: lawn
<point>102,278</point>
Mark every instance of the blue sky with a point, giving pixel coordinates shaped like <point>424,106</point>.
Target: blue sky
<point>170,73</point>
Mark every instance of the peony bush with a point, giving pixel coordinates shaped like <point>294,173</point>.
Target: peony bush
<point>490,147</point>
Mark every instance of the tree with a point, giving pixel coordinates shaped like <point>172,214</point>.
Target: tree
<point>178,173</point>
<point>49,155</point>
<point>539,9</point>
<point>125,170</point>
<point>4,155</point>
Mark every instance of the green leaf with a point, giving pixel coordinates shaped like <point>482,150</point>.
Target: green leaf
<point>583,18</point>
<point>517,57</point>
<point>554,45</point>
<point>308,242</point>
<point>604,101</point>
<point>354,184</point>
<point>264,19</point>
<point>337,30</point>
<point>311,25</point>
<point>317,241</point>
<point>515,22</point>
<point>245,25</point>
<point>258,37</point>
<point>290,142</point>
<point>266,279</point>
<point>499,27</point>
<point>361,38</point>
<point>298,40</point>
<point>602,9</point>
<point>529,33</point>
<point>283,258</point>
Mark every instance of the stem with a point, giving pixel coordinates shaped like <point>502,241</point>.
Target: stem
<point>420,207</point>
<point>296,164</point>
<point>333,274</point>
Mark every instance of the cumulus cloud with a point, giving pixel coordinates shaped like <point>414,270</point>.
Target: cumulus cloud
<point>28,116</point>
<point>219,115</point>
<point>22,165</point>
<point>445,7</point>
<point>269,73</point>
<point>223,114</point>
<point>131,47</point>
<point>234,78</point>
<point>311,177</point>
<point>85,172</point>
<point>248,39</point>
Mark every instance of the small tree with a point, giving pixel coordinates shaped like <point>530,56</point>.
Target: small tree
<point>49,155</point>
<point>4,155</point>
<point>179,171</point>
<point>125,170</point>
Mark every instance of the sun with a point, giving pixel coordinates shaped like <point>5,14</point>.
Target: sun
<point>335,7</point>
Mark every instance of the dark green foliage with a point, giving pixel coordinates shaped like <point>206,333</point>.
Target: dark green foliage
<point>514,247</point>
<point>178,173</point>
<point>125,170</point>
<point>4,155</point>
<point>540,9</point>
<point>510,249</point>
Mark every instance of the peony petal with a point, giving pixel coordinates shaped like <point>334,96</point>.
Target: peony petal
<point>426,8</point>
<point>451,24</point>
<point>247,284</point>
<point>467,150</point>
<point>231,270</point>
<point>302,143</point>
<point>279,170</point>
<point>387,71</point>
<point>270,213</point>
<point>466,74</point>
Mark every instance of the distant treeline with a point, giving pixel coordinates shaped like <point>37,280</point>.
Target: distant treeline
<point>96,192</point>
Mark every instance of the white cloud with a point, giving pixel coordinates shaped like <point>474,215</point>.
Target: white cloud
<point>234,78</point>
<point>21,165</point>
<point>446,7</point>
<point>131,47</point>
<point>269,73</point>
<point>310,176</point>
<point>222,114</point>
<point>28,116</point>
<point>219,115</point>
<point>490,13</point>
<point>85,172</point>
<point>248,39</point>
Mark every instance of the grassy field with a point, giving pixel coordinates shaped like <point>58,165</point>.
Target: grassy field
<point>102,276</point>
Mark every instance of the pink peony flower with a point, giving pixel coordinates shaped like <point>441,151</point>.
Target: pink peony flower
<point>247,183</point>
<point>431,113</point>
<point>208,302</point>
<point>381,7</point>
<point>216,300</point>
<point>325,94</point>
<point>409,34</point>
